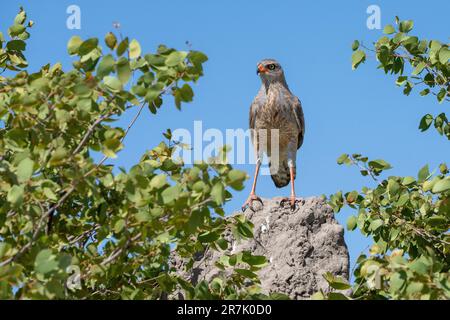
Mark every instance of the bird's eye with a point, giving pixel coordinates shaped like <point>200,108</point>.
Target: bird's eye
<point>271,67</point>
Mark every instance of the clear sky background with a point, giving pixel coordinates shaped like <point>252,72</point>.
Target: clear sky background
<point>346,111</point>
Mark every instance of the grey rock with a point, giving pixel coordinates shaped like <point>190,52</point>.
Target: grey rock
<point>301,245</point>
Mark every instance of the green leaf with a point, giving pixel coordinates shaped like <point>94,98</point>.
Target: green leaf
<point>389,29</point>
<point>58,156</point>
<point>393,187</point>
<point>351,223</point>
<point>16,29</point>
<point>17,45</point>
<point>236,175</point>
<point>337,296</point>
<point>123,46</point>
<point>15,195</point>
<point>135,49</point>
<point>143,216</point>
<point>355,45</point>
<point>155,60</point>
<point>406,26</point>
<point>336,282</point>
<point>139,90</point>
<point>352,197</point>
<point>158,181</point>
<point>74,44</point>
<point>111,147</point>
<point>414,288</point>
<point>441,186</point>
<point>25,169</point>
<point>209,236</point>
<point>153,92</point>
<point>197,58</point>
<point>119,225</point>
<point>218,193</point>
<point>254,260</point>
<point>428,185</point>
<point>186,93</point>
<point>444,55</point>
<point>246,273</point>
<point>50,194</point>
<point>418,69</point>
<point>111,40</point>
<point>106,66</point>
<point>343,158</point>
<point>425,122</point>
<point>245,229</point>
<point>318,296</point>
<point>437,221</point>
<point>112,83</point>
<point>340,284</point>
<point>196,220</point>
<point>223,244</point>
<point>408,180</point>
<point>170,194</point>
<point>401,80</point>
<point>123,70</point>
<point>357,58</point>
<point>375,224</point>
<point>397,281</point>
<point>380,164</point>
<point>87,46</point>
<point>175,57</point>
<point>45,262</point>
<point>424,173</point>
<point>4,248</point>
<point>20,17</point>
<point>441,95</point>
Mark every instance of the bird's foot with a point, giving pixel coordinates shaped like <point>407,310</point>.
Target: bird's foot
<point>249,202</point>
<point>292,202</point>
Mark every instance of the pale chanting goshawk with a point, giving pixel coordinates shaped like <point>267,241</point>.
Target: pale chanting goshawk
<point>275,107</point>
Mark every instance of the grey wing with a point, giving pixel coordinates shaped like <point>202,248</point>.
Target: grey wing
<point>300,119</point>
<point>256,104</point>
<point>252,120</point>
<point>252,116</point>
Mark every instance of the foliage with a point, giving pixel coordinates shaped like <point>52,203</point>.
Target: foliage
<point>427,61</point>
<point>407,217</point>
<point>73,227</point>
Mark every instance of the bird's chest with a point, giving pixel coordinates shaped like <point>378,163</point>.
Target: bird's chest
<point>276,120</point>
<point>275,113</point>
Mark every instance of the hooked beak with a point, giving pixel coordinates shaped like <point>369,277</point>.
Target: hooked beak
<point>261,69</point>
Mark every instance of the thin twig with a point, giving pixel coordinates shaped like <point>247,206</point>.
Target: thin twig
<point>74,240</point>
<point>89,132</point>
<point>365,168</point>
<point>126,132</point>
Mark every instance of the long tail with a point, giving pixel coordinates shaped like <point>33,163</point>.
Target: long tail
<point>282,176</point>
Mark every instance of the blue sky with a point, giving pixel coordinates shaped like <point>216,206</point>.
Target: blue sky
<point>346,111</point>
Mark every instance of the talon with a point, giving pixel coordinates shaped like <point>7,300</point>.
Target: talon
<point>292,201</point>
<point>249,202</point>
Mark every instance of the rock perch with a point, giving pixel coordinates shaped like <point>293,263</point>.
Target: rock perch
<point>301,245</point>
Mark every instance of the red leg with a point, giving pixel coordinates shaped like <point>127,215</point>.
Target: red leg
<point>292,199</point>
<point>253,197</point>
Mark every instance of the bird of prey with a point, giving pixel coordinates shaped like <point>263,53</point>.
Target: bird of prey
<point>275,107</point>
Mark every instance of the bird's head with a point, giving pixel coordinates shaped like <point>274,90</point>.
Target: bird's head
<point>270,71</point>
